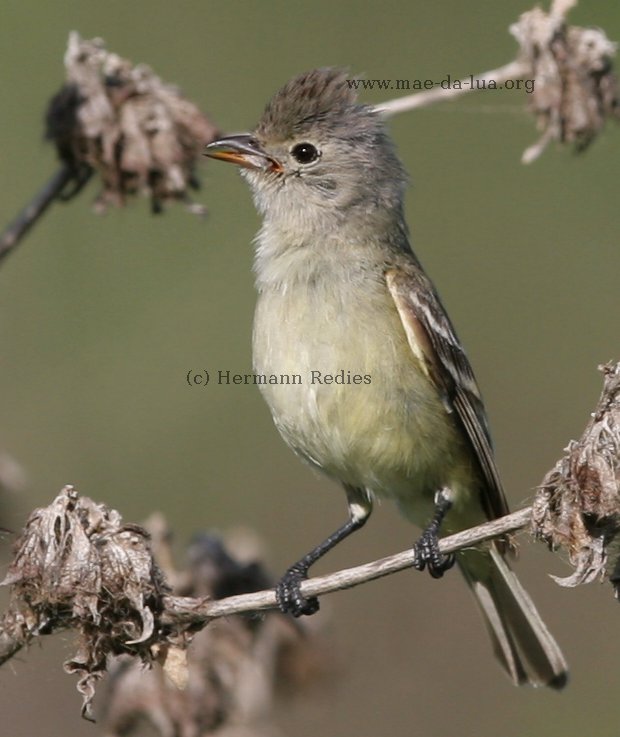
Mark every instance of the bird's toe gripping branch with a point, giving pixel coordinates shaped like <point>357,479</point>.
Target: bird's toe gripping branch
<point>289,596</point>
<point>426,549</point>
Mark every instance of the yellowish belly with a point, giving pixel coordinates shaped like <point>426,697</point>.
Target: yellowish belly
<point>360,408</point>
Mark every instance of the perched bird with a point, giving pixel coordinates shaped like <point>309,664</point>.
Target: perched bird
<point>357,358</point>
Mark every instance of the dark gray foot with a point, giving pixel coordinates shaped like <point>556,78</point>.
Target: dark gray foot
<point>427,555</point>
<point>289,596</point>
<point>426,550</point>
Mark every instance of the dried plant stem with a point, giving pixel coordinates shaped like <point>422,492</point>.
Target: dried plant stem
<point>181,610</point>
<point>513,70</point>
<point>39,204</point>
<point>34,210</point>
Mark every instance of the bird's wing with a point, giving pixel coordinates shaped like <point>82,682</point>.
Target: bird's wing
<point>434,342</point>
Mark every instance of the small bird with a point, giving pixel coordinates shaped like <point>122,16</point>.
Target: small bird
<point>357,359</point>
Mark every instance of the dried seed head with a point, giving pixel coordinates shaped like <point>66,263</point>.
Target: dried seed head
<point>578,504</point>
<point>576,89</point>
<point>227,681</point>
<point>140,135</point>
<point>76,565</point>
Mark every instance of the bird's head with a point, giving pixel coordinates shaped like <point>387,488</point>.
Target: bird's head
<point>316,152</point>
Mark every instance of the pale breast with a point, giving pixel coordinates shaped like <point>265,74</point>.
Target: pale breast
<point>346,391</point>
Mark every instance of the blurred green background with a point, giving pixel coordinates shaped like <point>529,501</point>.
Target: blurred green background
<point>101,318</point>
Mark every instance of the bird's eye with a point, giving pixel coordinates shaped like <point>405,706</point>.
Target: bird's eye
<point>305,153</point>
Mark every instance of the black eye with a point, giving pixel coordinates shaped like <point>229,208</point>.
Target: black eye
<point>305,153</point>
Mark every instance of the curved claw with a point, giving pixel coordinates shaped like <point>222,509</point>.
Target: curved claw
<point>427,553</point>
<point>289,596</point>
<point>438,567</point>
<point>426,550</point>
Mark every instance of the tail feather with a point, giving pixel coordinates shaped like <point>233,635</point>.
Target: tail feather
<point>521,640</point>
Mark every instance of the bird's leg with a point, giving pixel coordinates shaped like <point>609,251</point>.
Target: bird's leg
<point>288,593</point>
<point>426,550</point>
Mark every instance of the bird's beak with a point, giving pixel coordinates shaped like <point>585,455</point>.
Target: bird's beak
<point>243,150</point>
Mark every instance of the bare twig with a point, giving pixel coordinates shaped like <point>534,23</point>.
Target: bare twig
<point>106,107</point>
<point>78,565</point>
<point>183,610</point>
<point>568,72</point>
<point>34,210</point>
<point>180,612</point>
<point>120,121</point>
<point>513,70</point>
<point>228,680</point>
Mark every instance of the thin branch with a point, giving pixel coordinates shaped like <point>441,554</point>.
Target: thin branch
<point>34,210</point>
<point>183,610</point>
<point>514,70</point>
<point>11,237</point>
<point>139,135</point>
<point>576,92</point>
<point>99,563</point>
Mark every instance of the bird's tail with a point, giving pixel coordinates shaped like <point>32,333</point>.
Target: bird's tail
<point>521,641</point>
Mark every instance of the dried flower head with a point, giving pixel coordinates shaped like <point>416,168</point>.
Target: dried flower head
<point>76,565</point>
<point>233,669</point>
<point>122,122</point>
<point>576,89</point>
<point>578,504</point>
